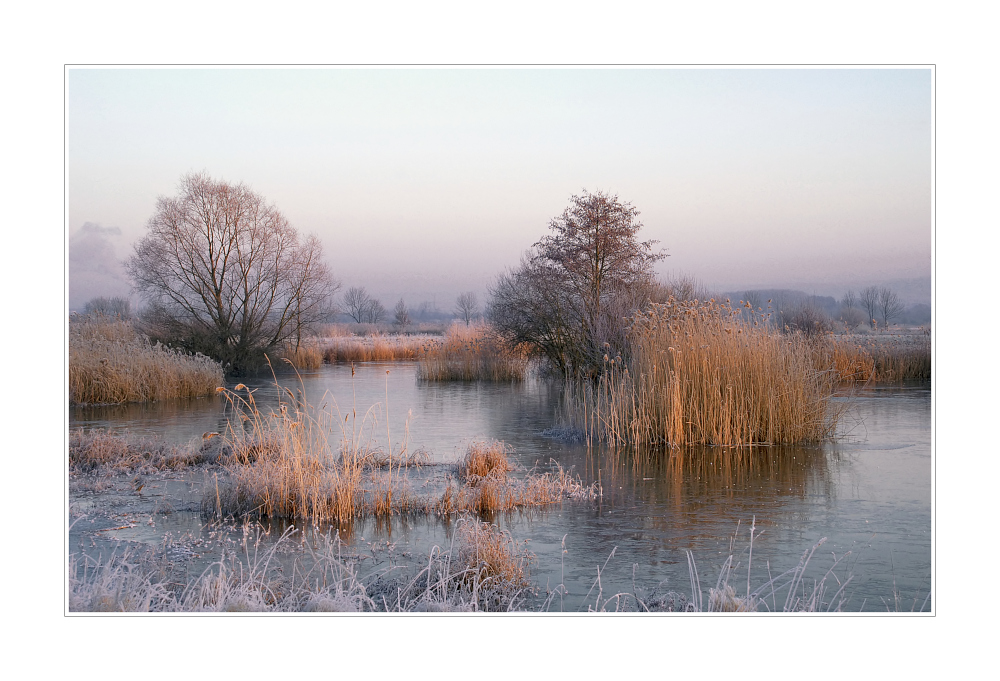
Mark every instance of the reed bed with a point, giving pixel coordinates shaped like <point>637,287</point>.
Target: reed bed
<point>878,359</point>
<point>702,373</point>
<point>110,363</point>
<point>376,348</point>
<point>306,356</point>
<point>472,353</point>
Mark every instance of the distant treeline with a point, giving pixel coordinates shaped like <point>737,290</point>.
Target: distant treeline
<point>787,301</point>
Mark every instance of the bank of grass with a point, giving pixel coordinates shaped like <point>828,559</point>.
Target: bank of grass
<point>111,363</point>
<point>877,359</point>
<point>703,373</point>
<point>471,353</point>
<point>306,356</point>
<point>375,348</point>
<point>307,464</point>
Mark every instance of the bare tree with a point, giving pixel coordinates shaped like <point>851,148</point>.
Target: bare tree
<point>116,306</point>
<point>889,306</point>
<point>375,312</point>
<point>467,307</point>
<point>684,287</point>
<point>850,301</point>
<point>356,302</point>
<point>225,274</point>
<point>572,289</point>
<point>402,316</point>
<point>868,299</point>
<point>850,311</point>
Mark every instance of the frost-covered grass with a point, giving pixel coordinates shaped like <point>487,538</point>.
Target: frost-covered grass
<point>482,569</point>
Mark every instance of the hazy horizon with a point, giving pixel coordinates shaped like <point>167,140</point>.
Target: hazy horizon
<point>428,182</point>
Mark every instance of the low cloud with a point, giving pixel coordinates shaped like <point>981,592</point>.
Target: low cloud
<point>95,268</point>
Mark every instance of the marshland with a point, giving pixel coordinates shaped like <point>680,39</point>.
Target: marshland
<point>595,437</point>
<point>223,502</point>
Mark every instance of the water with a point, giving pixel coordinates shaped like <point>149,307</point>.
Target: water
<point>868,493</point>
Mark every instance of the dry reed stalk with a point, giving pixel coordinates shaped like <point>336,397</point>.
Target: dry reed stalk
<point>109,363</point>
<point>702,373</point>
<point>471,353</point>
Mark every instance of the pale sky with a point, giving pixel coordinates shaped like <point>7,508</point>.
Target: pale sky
<point>424,182</point>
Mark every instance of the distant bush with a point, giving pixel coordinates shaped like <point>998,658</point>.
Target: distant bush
<point>808,320</point>
<point>109,307</point>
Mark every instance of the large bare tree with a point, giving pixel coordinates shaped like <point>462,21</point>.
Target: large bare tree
<point>569,295</point>
<point>224,273</point>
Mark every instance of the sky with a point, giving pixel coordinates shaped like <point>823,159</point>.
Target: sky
<point>424,183</point>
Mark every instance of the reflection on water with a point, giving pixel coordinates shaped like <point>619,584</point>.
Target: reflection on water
<point>868,493</point>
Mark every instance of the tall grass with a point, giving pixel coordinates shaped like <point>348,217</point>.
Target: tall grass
<point>878,359</point>
<point>471,353</point>
<point>488,552</point>
<point>702,373</point>
<point>376,348</point>
<point>306,356</point>
<point>110,363</point>
<point>304,463</point>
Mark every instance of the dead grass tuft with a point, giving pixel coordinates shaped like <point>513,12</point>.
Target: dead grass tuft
<point>304,463</point>
<point>488,552</point>
<point>484,459</point>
